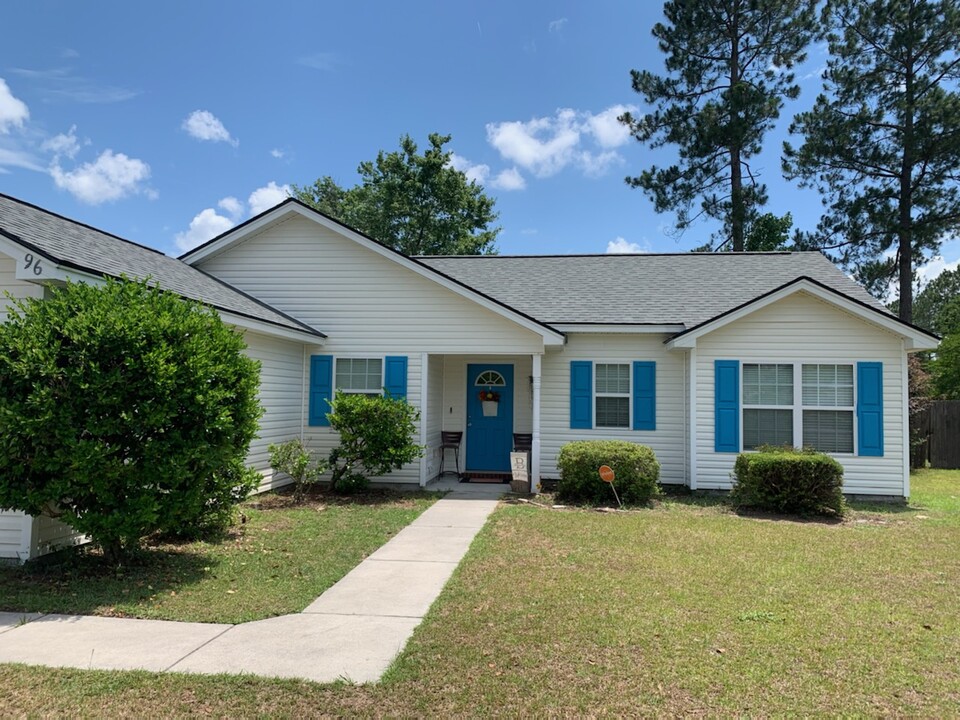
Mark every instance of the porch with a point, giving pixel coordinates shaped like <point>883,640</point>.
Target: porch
<point>487,398</point>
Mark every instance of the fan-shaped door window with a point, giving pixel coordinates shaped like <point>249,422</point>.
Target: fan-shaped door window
<point>490,378</point>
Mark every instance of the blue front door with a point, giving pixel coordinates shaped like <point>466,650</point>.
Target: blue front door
<point>490,429</point>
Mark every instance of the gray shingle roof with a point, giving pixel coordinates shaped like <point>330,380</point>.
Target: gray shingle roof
<point>81,247</point>
<point>686,289</point>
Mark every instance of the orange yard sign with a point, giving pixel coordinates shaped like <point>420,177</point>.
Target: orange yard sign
<point>606,473</point>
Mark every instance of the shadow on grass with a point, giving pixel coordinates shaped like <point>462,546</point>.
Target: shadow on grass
<point>82,581</point>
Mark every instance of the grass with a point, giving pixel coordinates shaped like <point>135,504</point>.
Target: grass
<point>276,562</point>
<point>685,609</point>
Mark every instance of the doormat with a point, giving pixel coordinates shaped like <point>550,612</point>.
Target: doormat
<point>487,478</point>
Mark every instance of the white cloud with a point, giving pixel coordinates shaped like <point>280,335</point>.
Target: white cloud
<point>110,177</point>
<point>204,125</point>
<point>18,157</point>
<point>277,153</point>
<point>606,129</point>
<point>63,144</point>
<point>232,206</point>
<point>556,26</point>
<point>13,111</point>
<point>621,246</point>
<point>934,268</point>
<point>266,197</point>
<point>546,145</point>
<point>205,225</point>
<point>477,173</point>
<point>509,179</point>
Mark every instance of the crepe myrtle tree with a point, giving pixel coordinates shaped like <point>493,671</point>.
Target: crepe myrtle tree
<point>126,410</point>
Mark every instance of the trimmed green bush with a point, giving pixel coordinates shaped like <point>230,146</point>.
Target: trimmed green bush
<point>787,480</point>
<point>636,468</point>
<point>125,411</point>
<point>376,438</point>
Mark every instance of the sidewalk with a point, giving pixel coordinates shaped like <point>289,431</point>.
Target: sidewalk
<point>352,631</point>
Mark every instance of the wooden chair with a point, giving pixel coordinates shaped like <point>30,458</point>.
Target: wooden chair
<point>450,440</point>
<point>522,442</point>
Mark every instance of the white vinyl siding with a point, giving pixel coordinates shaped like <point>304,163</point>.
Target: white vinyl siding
<point>281,393</point>
<point>667,441</point>
<point>435,416</point>
<point>803,329</point>
<point>17,288</point>
<point>14,535</point>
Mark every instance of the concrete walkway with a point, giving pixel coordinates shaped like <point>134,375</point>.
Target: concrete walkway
<point>353,631</point>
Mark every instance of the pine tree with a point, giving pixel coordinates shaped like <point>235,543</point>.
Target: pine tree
<point>882,143</point>
<point>728,68</point>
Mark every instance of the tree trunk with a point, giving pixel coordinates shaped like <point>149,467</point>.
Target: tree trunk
<point>737,211</point>
<point>905,224</point>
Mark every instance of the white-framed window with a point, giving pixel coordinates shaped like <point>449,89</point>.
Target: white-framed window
<point>491,379</point>
<point>612,395</point>
<point>817,411</point>
<point>362,376</point>
<point>767,404</point>
<point>828,407</point>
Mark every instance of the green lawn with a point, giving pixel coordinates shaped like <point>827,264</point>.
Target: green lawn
<point>276,562</point>
<point>685,609</point>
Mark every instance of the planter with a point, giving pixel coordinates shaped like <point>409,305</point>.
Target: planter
<point>489,408</point>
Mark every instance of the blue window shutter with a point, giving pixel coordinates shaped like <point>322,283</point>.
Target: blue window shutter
<point>726,397</point>
<point>870,408</point>
<point>581,394</point>
<point>321,389</point>
<point>644,395</point>
<point>395,376</point>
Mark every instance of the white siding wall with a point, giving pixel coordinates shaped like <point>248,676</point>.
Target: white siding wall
<point>17,288</point>
<point>53,535</point>
<point>454,407</point>
<point>12,522</point>
<point>281,394</point>
<point>802,328</point>
<point>14,526</point>
<point>368,305</point>
<point>666,440</point>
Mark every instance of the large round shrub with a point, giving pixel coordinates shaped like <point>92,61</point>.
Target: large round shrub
<point>125,410</point>
<point>788,480</point>
<point>636,468</point>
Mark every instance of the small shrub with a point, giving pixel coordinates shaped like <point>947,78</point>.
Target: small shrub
<point>376,438</point>
<point>787,480</point>
<point>636,468</point>
<point>292,458</point>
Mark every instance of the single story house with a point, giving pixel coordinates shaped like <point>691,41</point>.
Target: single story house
<point>699,356</point>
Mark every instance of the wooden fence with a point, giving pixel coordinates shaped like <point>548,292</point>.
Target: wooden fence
<point>935,433</point>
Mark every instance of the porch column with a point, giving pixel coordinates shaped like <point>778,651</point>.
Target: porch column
<point>424,405</point>
<point>535,446</point>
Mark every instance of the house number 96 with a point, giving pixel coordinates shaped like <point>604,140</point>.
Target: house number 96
<point>28,259</point>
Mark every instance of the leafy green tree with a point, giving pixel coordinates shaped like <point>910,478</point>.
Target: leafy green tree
<point>415,203</point>
<point>932,301</point>
<point>945,367</point>
<point>881,144</point>
<point>728,72</point>
<point>376,438</point>
<point>125,410</point>
<point>766,233</point>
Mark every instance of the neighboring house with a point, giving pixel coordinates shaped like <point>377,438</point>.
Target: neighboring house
<point>699,356</point>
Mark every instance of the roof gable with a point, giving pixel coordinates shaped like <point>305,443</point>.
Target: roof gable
<point>71,245</point>
<point>915,338</point>
<point>291,206</point>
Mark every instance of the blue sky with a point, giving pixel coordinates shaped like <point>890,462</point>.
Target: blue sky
<point>168,122</point>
